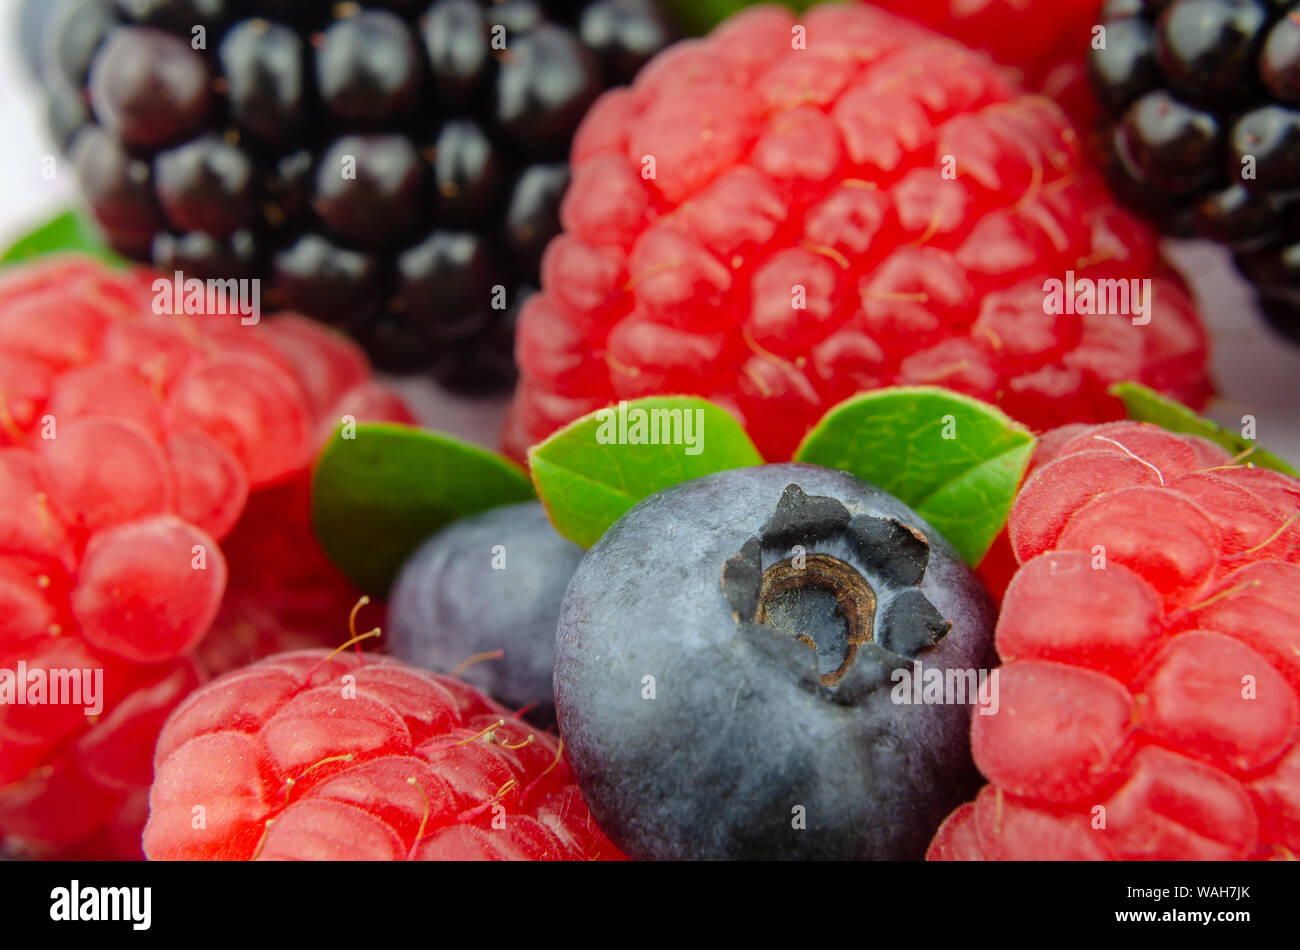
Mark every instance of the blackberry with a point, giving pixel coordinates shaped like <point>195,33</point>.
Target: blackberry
<point>394,168</point>
<point>1202,129</point>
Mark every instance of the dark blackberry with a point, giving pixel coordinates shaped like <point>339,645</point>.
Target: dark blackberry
<point>149,88</point>
<point>369,189</point>
<point>1202,129</point>
<point>264,65</point>
<point>189,177</point>
<point>120,189</point>
<point>393,167</point>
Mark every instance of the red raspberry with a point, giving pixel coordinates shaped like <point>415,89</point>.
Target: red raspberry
<point>315,755</point>
<point>1150,688</point>
<point>799,242</point>
<point>1045,40</point>
<point>131,446</point>
<point>283,593</point>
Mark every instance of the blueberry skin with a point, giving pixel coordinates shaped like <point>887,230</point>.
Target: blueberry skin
<point>449,603</point>
<point>741,729</point>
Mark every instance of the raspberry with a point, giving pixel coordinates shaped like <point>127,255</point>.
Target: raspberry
<point>1201,111</point>
<point>772,228</point>
<point>137,456</point>
<point>138,593</point>
<point>1045,42</point>
<point>312,755</point>
<point>1150,686</point>
<point>384,167</point>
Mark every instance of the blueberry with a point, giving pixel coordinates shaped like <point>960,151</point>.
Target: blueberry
<point>493,581</point>
<point>725,662</point>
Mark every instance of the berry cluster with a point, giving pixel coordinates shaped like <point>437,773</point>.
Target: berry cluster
<point>1203,98</point>
<point>788,212</point>
<point>394,168</point>
<point>776,217</point>
<point>316,756</point>
<point>1150,686</point>
<point>130,446</point>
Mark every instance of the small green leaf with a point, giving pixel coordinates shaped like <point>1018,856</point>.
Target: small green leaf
<point>700,16</point>
<point>1147,405</point>
<point>591,472</point>
<point>955,460</point>
<point>377,496</point>
<point>68,231</point>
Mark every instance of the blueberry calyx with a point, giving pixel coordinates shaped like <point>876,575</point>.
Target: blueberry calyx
<point>742,579</point>
<point>793,599</point>
<point>863,595</point>
<point>800,519</point>
<point>895,549</point>
<point>912,624</point>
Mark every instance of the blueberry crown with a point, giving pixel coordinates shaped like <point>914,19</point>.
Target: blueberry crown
<point>835,582</point>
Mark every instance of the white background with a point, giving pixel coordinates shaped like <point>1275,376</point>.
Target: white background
<point>1255,372</point>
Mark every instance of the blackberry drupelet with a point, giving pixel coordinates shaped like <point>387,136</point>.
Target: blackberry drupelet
<point>393,168</point>
<point>1202,129</point>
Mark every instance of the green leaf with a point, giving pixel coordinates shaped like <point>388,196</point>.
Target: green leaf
<point>588,474</point>
<point>377,496</point>
<point>1147,405</point>
<point>68,231</point>
<point>955,460</point>
<point>700,16</point>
